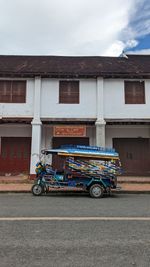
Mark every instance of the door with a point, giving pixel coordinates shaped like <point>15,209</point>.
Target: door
<point>134,155</point>
<point>15,155</point>
<point>57,161</point>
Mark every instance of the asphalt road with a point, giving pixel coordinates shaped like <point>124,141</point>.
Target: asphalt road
<point>70,231</point>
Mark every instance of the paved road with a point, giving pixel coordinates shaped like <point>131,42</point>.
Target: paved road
<point>85,232</point>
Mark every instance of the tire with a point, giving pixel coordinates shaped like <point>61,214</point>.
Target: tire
<point>37,190</point>
<point>96,191</point>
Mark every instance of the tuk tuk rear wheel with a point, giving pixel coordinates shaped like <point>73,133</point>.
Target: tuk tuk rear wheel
<point>96,191</point>
<point>37,190</point>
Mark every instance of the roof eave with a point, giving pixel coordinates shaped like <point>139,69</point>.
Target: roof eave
<point>74,75</point>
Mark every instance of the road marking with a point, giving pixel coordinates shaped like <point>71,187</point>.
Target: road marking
<point>75,219</point>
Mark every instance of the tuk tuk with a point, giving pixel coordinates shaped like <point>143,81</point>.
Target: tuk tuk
<point>87,168</point>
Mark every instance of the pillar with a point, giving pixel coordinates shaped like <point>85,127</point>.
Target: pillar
<point>36,127</point>
<point>36,145</point>
<point>100,133</point>
<point>100,122</point>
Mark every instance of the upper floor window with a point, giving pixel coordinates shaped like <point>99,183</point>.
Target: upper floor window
<point>12,91</point>
<point>69,92</point>
<point>134,92</point>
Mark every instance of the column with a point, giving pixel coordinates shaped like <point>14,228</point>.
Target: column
<point>100,98</point>
<point>36,126</point>
<point>100,132</point>
<point>100,122</point>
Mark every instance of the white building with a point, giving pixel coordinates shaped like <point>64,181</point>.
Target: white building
<point>46,101</point>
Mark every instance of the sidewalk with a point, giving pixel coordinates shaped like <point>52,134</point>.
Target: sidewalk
<point>26,188</point>
<point>22,184</point>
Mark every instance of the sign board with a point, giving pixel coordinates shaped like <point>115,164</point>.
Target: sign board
<point>69,131</point>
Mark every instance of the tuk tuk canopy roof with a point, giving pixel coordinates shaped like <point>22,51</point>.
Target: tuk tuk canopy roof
<point>84,152</point>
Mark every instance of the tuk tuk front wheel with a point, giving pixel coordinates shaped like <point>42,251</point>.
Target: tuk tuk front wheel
<point>37,190</point>
<point>96,191</point>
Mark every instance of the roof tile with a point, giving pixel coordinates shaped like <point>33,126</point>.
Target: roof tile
<point>67,66</point>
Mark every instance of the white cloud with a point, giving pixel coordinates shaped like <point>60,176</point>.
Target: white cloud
<point>131,43</point>
<point>139,20</point>
<point>64,27</point>
<point>115,49</point>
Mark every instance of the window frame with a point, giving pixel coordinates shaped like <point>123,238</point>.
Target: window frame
<point>68,94</point>
<point>133,97</point>
<point>11,92</point>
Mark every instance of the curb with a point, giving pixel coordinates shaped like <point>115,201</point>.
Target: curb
<point>75,193</point>
<point>134,182</point>
<point>132,192</point>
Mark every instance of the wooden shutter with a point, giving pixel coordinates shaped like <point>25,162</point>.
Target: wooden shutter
<point>18,92</point>
<point>12,91</point>
<point>134,92</point>
<point>5,92</point>
<point>69,92</point>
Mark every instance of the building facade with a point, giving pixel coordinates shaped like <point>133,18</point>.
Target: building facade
<point>48,101</point>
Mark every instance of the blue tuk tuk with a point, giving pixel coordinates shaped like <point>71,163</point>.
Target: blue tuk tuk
<point>87,168</point>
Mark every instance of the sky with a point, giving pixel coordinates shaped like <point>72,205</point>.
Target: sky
<point>74,27</point>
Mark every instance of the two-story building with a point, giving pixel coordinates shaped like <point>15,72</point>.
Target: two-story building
<point>47,101</point>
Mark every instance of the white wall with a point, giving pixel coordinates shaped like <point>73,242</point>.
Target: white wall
<point>126,131</point>
<point>50,107</point>
<point>15,130</point>
<point>20,109</point>
<point>114,101</point>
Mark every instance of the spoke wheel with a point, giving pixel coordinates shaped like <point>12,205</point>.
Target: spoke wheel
<point>96,191</point>
<point>37,190</point>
